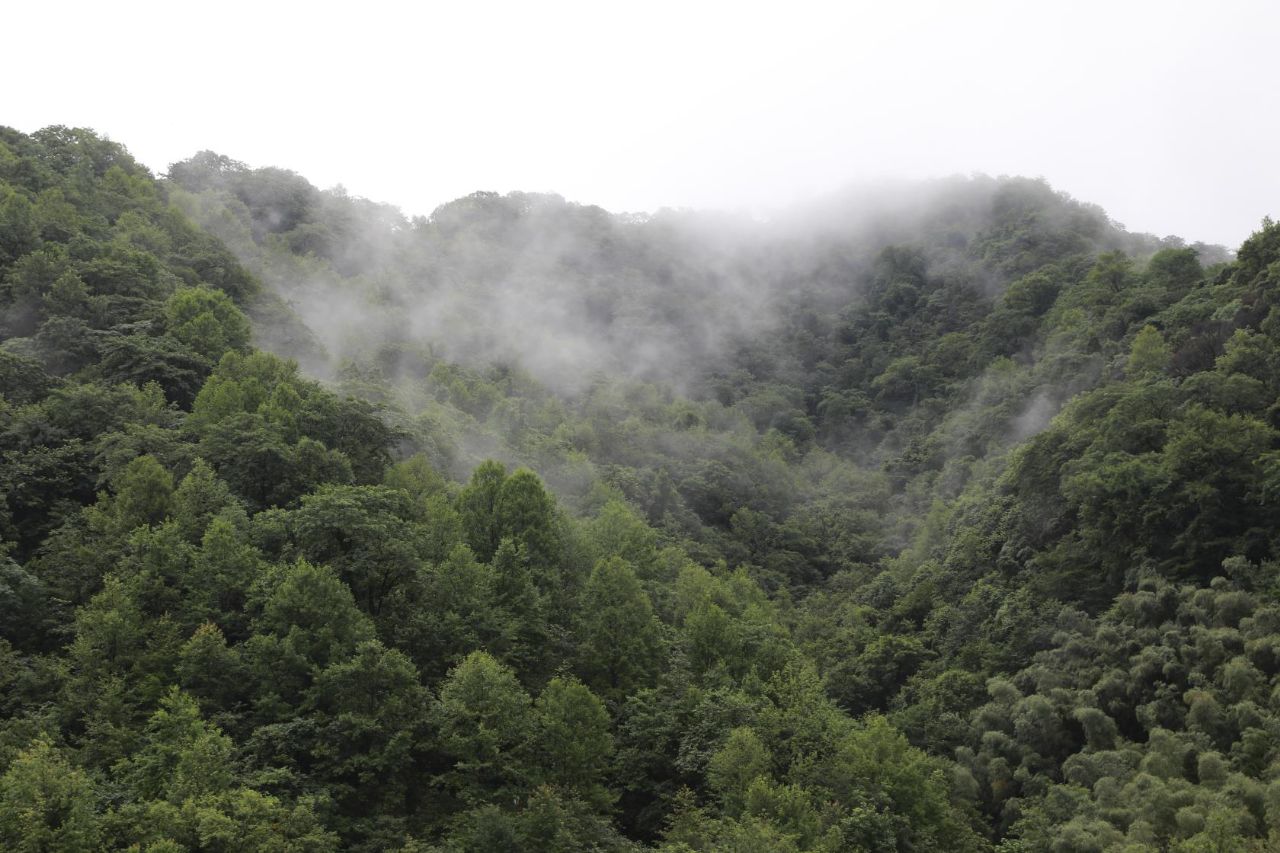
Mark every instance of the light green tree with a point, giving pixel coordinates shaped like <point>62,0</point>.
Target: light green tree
<point>1149,355</point>
<point>46,804</point>
<point>207,321</point>
<point>743,759</point>
<point>484,724</point>
<point>573,744</point>
<point>620,642</point>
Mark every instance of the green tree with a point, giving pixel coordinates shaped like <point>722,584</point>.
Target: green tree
<point>46,804</point>
<point>526,513</point>
<point>1149,355</point>
<point>221,574</point>
<point>199,497</point>
<point>308,620</point>
<point>240,819</point>
<point>620,640</point>
<point>144,493</point>
<point>207,321</point>
<point>743,759</point>
<point>181,756</point>
<point>456,615</point>
<point>573,747</point>
<point>873,765</point>
<point>522,640</point>
<point>25,608</point>
<point>484,718</point>
<point>371,721</point>
<point>478,507</point>
<point>210,670</point>
<point>19,228</point>
<point>365,534</point>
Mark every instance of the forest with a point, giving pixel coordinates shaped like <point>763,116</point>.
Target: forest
<point>936,518</point>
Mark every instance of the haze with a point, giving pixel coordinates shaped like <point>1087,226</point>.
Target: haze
<point>1136,107</point>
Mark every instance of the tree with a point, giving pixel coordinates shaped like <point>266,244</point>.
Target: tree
<point>25,615</point>
<point>371,715</point>
<point>364,534</point>
<point>207,321</point>
<point>144,493</point>
<point>619,637</point>
<point>478,507</point>
<point>307,621</point>
<point>138,359</point>
<point>19,230</point>
<point>210,670</point>
<point>199,497</point>
<point>237,820</point>
<point>1149,355</point>
<point>181,756</point>
<point>526,513</point>
<point>222,572</point>
<point>573,747</point>
<point>873,765</point>
<point>46,804</point>
<point>523,639</point>
<point>22,380</point>
<point>485,726</point>
<point>456,615</point>
<point>118,663</point>
<point>743,759</point>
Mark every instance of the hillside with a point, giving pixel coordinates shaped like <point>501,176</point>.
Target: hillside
<point>925,517</point>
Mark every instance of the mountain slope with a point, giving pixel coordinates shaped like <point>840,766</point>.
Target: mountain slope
<point>933,519</point>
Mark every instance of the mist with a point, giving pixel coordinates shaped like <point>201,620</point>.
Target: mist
<point>568,293</point>
<point>736,354</point>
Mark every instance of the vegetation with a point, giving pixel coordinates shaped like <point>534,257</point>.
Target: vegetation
<point>941,523</point>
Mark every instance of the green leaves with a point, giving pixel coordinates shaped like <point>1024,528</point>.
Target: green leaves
<point>573,745</point>
<point>484,719</point>
<point>46,804</point>
<point>206,320</point>
<point>742,760</point>
<point>1149,355</point>
<point>308,619</point>
<point>619,640</point>
<point>19,229</point>
<point>366,534</point>
<point>181,757</point>
<point>263,636</point>
<point>144,494</point>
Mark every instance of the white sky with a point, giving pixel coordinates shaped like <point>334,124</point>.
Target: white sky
<point>1165,113</point>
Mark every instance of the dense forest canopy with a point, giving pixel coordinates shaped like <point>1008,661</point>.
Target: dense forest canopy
<point>935,517</point>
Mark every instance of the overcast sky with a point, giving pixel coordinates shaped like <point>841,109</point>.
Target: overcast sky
<point>1165,113</point>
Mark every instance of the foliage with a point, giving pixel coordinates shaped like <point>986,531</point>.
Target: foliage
<point>948,530</point>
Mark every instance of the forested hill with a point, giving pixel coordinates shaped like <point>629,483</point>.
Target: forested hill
<point>935,517</point>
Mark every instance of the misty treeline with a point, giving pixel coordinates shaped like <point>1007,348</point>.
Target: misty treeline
<point>929,517</point>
